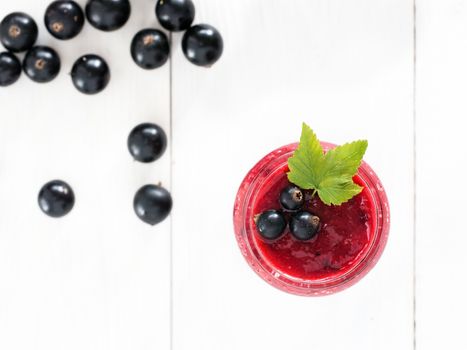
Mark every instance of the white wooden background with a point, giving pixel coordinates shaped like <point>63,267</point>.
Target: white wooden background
<point>391,71</point>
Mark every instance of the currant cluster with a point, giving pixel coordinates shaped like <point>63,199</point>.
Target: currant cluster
<point>152,203</point>
<point>303,225</point>
<point>202,44</point>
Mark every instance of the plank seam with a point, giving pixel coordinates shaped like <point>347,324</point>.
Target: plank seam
<point>414,174</point>
<point>171,288</point>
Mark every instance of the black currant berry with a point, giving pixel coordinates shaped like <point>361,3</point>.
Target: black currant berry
<point>147,142</point>
<point>41,64</point>
<point>150,48</point>
<point>202,45</point>
<point>56,198</point>
<point>18,32</point>
<point>64,19</point>
<point>304,226</point>
<point>292,198</point>
<point>271,224</point>
<point>10,68</point>
<point>175,15</point>
<point>152,204</point>
<point>108,15</point>
<point>90,74</point>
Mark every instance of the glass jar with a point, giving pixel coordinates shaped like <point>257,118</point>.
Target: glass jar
<point>274,165</point>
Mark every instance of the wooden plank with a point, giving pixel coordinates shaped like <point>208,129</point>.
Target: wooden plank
<point>99,278</point>
<point>346,68</point>
<point>441,107</point>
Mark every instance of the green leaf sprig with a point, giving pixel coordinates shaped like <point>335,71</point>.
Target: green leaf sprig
<point>328,174</point>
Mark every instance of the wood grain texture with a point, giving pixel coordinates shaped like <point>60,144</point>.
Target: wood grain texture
<point>98,278</point>
<point>441,168</point>
<point>346,68</point>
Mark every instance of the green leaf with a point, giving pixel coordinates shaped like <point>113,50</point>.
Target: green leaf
<point>334,191</point>
<point>330,174</point>
<point>345,159</point>
<point>306,161</point>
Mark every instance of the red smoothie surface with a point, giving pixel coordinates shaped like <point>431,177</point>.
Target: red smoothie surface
<point>342,240</point>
